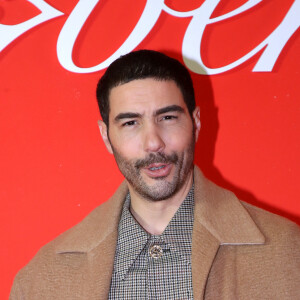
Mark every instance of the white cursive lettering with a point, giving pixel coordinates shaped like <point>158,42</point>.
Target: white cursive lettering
<point>76,20</point>
<point>192,41</point>
<point>274,43</point>
<point>9,33</point>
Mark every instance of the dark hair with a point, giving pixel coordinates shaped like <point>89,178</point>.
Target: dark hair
<point>140,65</point>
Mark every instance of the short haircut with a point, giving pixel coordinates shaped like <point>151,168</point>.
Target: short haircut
<point>140,65</point>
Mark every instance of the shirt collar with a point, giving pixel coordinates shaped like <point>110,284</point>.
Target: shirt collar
<point>132,238</point>
<point>178,233</point>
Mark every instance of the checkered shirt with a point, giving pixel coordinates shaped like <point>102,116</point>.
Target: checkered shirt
<point>164,271</point>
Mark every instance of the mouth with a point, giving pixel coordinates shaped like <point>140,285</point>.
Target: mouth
<point>158,170</point>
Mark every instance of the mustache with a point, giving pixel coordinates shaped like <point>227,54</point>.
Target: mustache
<point>156,158</point>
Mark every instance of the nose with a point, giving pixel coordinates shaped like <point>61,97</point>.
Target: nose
<point>153,141</point>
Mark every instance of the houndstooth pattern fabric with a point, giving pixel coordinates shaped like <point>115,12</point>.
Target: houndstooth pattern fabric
<point>165,274</point>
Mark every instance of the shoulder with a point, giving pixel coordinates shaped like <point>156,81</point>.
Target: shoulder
<point>78,240</point>
<point>280,253</point>
<point>40,266</point>
<point>274,227</point>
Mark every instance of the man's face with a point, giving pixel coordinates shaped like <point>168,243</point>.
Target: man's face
<point>151,135</point>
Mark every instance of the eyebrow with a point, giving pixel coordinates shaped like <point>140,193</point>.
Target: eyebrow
<point>127,115</point>
<point>170,108</point>
<point>131,115</point>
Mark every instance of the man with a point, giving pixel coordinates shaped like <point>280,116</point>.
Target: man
<point>168,232</point>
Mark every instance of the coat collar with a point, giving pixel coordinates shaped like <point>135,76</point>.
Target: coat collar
<point>219,219</point>
<point>217,211</point>
<point>96,228</point>
<point>222,214</point>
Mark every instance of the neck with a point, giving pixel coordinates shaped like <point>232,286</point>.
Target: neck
<point>154,216</point>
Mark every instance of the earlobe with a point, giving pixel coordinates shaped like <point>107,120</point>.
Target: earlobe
<point>104,134</point>
<point>197,122</point>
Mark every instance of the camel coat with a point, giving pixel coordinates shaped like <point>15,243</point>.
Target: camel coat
<point>238,252</point>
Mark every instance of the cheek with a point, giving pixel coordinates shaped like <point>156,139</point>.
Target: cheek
<point>178,134</point>
<point>128,148</point>
<point>179,141</point>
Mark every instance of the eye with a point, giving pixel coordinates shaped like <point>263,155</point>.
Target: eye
<point>129,123</point>
<point>169,117</point>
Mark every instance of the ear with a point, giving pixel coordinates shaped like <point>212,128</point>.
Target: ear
<point>104,134</point>
<point>197,123</point>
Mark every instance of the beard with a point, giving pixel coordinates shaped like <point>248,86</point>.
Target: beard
<point>161,189</point>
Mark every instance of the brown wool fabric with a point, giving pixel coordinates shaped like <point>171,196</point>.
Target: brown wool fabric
<point>238,252</point>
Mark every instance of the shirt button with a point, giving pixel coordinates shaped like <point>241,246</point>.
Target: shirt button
<point>156,251</point>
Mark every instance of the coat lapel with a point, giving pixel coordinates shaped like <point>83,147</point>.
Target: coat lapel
<point>94,240</point>
<point>101,262</point>
<point>220,219</point>
<point>204,249</point>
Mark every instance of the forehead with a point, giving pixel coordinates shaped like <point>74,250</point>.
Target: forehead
<point>144,95</point>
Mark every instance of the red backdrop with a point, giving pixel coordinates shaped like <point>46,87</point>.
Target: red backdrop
<point>54,167</point>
